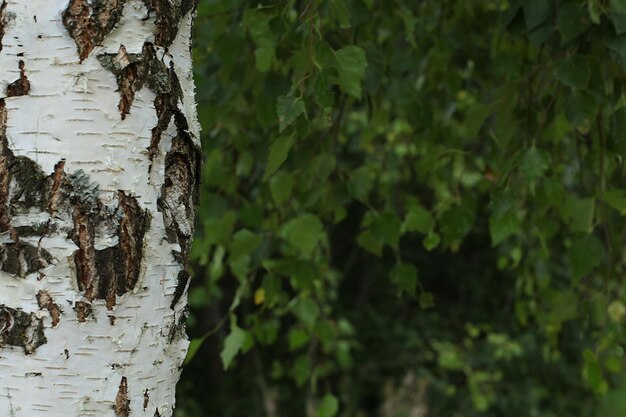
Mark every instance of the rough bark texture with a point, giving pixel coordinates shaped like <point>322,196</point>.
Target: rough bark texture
<point>99,171</point>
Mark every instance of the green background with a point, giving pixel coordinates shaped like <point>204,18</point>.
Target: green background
<point>409,208</point>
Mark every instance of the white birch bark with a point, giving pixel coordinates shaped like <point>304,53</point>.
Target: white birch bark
<point>98,175</point>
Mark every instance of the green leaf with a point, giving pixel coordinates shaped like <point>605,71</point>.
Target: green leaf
<point>418,219</point>
<point>324,97</point>
<point>244,243</point>
<point>616,311</point>
<point>360,183</point>
<point>240,266</point>
<point>579,213</point>
<point>288,109</point>
<point>564,307</point>
<point>307,312</point>
<point>534,163</point>
<point>475,118</point>
<point>404,275</point>
<point>580,107</point>
<point>619,22</point>
<point>585,254</point>
<point>264,55</point>
<point>616,198</point>
<point>618,6</point>
<point>233,343</point>
<point>281,185</point>
<point>279,150</point>
<point>618,15</point>
<point>455,223</point>
<point>573,71</point>
<point>340,11</point>
<point>349,62</point>
<point>536,12</point>
<point>304,233</point>
<point>329,406</point>
<point>503,226</point>
<point>573,21</point>
<point>595,10</point>
<point>258,24</point>
<point>302,369</point>
<point>368,242</point>
<point>387,228</point>
<point>410,21</point>
<point>618,45</point>
<point>593,372</point>
<point>431,241</point>
<point>297,338</point>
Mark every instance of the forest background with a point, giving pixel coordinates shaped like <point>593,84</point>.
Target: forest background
<point>409,208</point>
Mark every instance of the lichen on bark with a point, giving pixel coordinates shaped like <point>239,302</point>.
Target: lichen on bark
<point>72,199</point>
<point>22,186</point>
<point>132,71</point>
<point>21,329</point>
<point>179,193</point>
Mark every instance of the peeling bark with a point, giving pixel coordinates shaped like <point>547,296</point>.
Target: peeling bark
<point>112,271</point>
<point>132,71</point>
<point>21,86</point>
<point>179,193</point>
<point>44,299</point>
<point>89,22</point>
<point>3,7</point>
<point>122,403</point>
<point>21,329</point>
<point>168,15</point>
<point>181,287</point>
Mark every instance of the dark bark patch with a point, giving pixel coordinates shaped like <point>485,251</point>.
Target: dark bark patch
<point>122,401</point>
<point>85,256</point>
<point>179,193</point>
<point>146,399</point>
<point>83,310</point>
<point>134,225</point>
<point>21,259</point>
<point>156,413</point>
<point>181,286</point>
<point>21,329</point>
<point>177,331</point>
<point>133,71</point>
<point>89,22</point>
<point>21,86</point>
<point>113,271</point>
<point>168,15</point>
<point>57,180</point>
<point>45,301</point>
<point>22,186</point>
<point>3,21</point>
<point>5,157</point>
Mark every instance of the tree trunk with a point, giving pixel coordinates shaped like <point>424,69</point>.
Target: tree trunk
<point>99,161</point>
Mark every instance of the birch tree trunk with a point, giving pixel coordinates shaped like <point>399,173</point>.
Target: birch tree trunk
<point>99,160</point>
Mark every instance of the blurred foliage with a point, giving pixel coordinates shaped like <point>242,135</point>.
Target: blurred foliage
<point>409,208</point>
